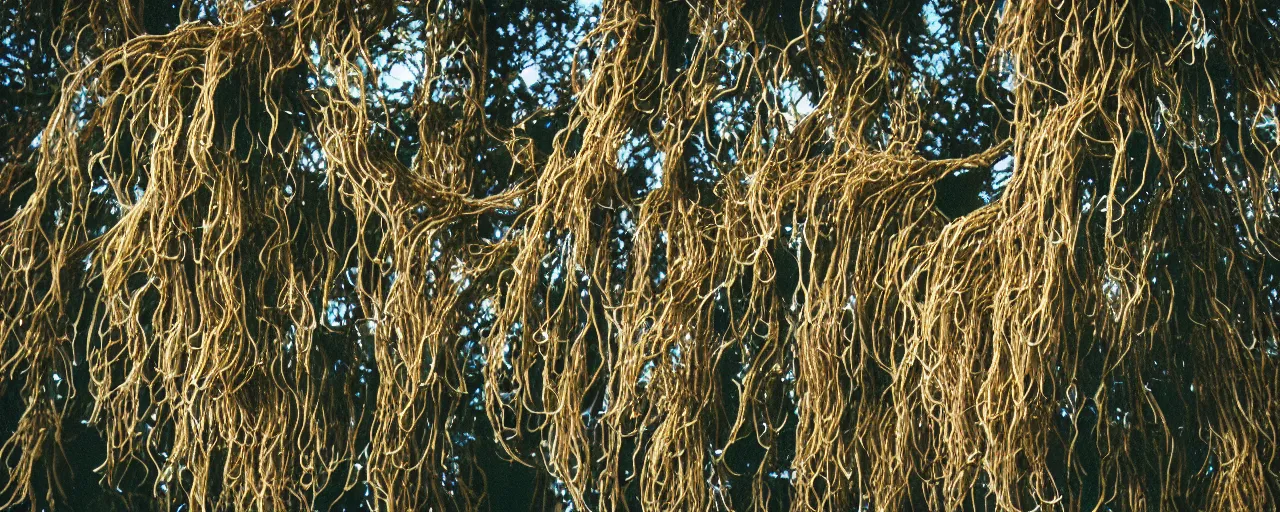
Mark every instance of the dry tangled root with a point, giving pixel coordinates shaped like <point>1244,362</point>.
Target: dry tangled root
<point>705,255</point>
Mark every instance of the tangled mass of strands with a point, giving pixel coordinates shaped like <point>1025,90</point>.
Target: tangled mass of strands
<point>640,254</point>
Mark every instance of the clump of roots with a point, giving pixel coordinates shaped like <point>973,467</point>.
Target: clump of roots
<point>275,287</point>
